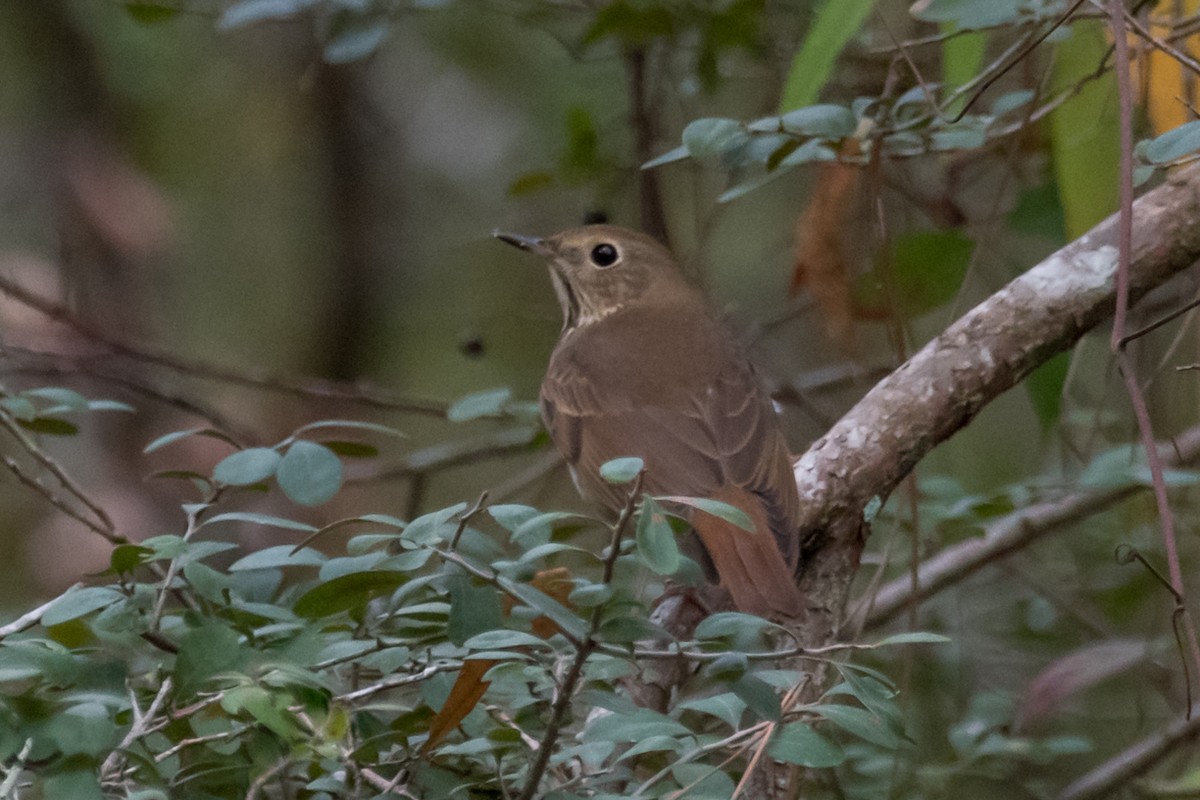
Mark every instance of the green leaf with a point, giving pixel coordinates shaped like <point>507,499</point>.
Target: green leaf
<point>433,527</point>
<point>530,183</point>
<point>474,608</point>
<point>348,449</point>
<point>591,595</point>
<point>676,154</point>
<point>834,25</point>
<point>51,426</point>
<point>150,13</point>
<point>704,782</point>
<point>345,565</point>
<point>970,14</point>
<point>504,639</point>
<point>621,470</point>
<point>127,557</point>
<point>726,706</point>
<point>512,515</point>
<point>19,407</point>
<point>630,629</point>
<point>208,582</point>
<point>539,528</point>
<point>247,466</point>
<point>110,405</point>
<point>348,593</point>
<point>86,728</point>
<point>283,555</point>
<point>712,136</point>
<point>631,727</point>
<point>731,514</point>
<point>1174,144</point>
<point>1009,101</point>
<point>309,474</point>
<point>655,540</point>
<point>490,403</point>
<point>1039,213</point>
<point>629,23</point>
<point>79,602</point>
<point>352,424</point>
<point>861,723</point>
<point>727,667</point>
<point>546,605</point>
<point>248,12</point>
<point>260,519</point>
<point>826,121</point>
<point>797,743</point>
<point>72,784</point>
<point>206,651</point>
<point>1083,136</point>
<point>927,269</point>
<point>913,637</point>
<point>962,59</point>
<point>758,696</point>
<point>175,436</point>
<point>730,623</point>
<point>69,399</point>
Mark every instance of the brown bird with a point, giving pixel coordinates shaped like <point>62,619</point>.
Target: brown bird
<point>645,367</point>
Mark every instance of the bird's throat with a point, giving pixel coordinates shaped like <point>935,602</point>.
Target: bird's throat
<point>567,299</point>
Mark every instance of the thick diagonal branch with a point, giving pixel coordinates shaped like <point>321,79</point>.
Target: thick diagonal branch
<point>987,351</point>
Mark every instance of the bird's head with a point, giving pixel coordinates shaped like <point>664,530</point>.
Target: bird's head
<point>601,269</point>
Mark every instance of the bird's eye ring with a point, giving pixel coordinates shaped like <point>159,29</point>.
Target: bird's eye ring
<point>604,255</point>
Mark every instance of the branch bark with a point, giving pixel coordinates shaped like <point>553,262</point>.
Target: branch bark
<point>943,386</point>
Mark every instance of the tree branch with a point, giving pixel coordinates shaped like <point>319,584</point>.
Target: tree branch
<point>1010,533</point>
<point>941,388</point>
<point>1134,761</point>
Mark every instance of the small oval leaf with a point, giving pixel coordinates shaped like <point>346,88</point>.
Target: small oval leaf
<point>247,466</point>
<point>309,473</point>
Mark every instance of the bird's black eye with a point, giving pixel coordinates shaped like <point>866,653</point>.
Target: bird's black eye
<point>604,255</point>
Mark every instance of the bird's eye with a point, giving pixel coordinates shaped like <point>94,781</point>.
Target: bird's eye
<point>604,255</point>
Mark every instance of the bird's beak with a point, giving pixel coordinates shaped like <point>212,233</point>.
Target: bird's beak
<point>531,243</point>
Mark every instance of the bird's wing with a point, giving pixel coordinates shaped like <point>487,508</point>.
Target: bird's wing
<point>720,441</point>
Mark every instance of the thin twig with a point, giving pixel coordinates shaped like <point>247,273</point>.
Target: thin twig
<point>139,728</point>
<point>1125,365</point>
<point>1006,535</point>
<point>32,482</point>
<point>1118,771</point>
<point>12,773</point>
<point>363,394</point>
<point>30,618</point>
<point>54,468</point>
<point>583,651</point>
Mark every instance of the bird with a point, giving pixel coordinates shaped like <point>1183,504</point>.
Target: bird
<point>645,366</point>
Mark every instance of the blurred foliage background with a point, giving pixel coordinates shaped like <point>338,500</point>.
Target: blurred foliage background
<point>257,214</point>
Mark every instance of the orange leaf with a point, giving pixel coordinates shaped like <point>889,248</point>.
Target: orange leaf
<point>820,256</point>
<point>469,687</point>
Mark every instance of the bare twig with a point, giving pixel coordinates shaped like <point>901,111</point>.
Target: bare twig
<point>139,728</point>
<point>33,483</point>
<point>363,394</point>
<point>54,468</point>
<point>1134,761</point>
<point>30,618</point>
<point>583,650</point>
<point>1125,364</point>
<point>1008,534</point>
<point>12,773</point>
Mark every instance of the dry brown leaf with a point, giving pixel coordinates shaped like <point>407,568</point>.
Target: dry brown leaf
<point>821,265</point>
<point>469,686</point>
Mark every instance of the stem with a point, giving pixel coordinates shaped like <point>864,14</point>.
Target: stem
<point>584,650</point>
